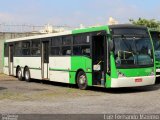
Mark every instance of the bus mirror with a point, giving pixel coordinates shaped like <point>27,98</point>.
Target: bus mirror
<point>111,45</point>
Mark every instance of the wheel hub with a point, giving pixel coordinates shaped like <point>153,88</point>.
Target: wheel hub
<point>82,79</point>
<point>27,75</point>
<point>19,74</point>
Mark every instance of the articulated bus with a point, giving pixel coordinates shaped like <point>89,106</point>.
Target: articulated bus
<point>105,56</point>
<point>155,34</point>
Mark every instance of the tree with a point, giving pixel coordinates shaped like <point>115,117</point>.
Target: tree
<point>152,23</point>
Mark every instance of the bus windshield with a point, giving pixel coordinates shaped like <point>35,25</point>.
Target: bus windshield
<point>156,43</point>
<point>133,51</point>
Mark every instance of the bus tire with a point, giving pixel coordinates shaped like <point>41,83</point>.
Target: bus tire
<point>82,80</point>
<point>27,75</point>
<point>19,74</point>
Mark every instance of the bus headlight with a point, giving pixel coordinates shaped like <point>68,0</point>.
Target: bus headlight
<point>120,75</point>
<point>152,73</point>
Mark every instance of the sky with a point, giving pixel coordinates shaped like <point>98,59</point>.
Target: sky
<point>76,12</point>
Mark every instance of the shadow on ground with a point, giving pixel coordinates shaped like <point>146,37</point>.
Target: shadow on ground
<point>107,90</point>
<point>2,88</point>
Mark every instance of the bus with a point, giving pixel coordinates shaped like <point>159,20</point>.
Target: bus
<point>155,34</point>
<point>109,56</point>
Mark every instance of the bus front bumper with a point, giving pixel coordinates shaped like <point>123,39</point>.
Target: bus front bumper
<point>133,81</point>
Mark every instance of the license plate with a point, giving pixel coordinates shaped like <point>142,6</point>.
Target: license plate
<point>139,80</point>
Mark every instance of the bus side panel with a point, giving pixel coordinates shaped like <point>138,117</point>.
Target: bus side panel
<point>59,68</point>
<point>33,63</point>
<point>36,74</point>
<point>6,66</point>
<point>81,63</point>
<point>72,75</point>
<point>108,81</point>
<point>113,72</point>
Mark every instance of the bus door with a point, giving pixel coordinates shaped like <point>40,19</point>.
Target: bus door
<point>10,60</point>
<point>99,59</point>
<point>45,59</point>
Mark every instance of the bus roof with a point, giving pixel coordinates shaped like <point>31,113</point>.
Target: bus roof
<point>127,26</point>
<point>76,31</point>
<point>39,36</point>
<point>91,29</point>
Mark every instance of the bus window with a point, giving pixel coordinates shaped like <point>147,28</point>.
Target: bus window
<point>86,50</point>
<point>25,52</point>
<point>26,48</point>
<point>35,49</point>
<point>18,49</point>
<point>55,51</point>
<point>67,40</point>
<point>66,51</point>
<point>81,39</point>
<point>77,50</point>
<point>56,41</point>
<point>36,43</point>
<point>81,50</point>
<point>26,44</point>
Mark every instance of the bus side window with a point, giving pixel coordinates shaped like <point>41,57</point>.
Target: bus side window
<point>18,49</point>
<point>56,41</point>
<point>66,41</point>
<point>81,50</point>
<point>77,50</point>
<point>26,48</point>
<point>81,39</point>
<point>81,44</point>
<point>86,50</point>
<point>55,48</point>
<point>35,49</point>
<point>66,51</point>
<point>55,51</point>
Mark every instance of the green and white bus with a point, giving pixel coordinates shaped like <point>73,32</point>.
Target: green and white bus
<point>106,56</point>
<point>155,34</point>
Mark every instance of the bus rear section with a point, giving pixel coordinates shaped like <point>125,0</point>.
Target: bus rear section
<point>132,57</point>
<point>156,42</point>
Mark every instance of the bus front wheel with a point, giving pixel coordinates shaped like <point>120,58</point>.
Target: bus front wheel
<point>27,75</point>
<point>82,80</point>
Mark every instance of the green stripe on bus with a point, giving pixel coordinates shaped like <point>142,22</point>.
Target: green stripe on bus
<point>92,29</point>
<point>30,68</point>
<point>35,68</point>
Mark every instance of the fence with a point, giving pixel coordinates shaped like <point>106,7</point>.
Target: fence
<point>31,28</point>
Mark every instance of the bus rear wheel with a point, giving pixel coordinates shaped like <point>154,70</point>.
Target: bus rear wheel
<point>82,80</point>
<point>27,75</point>
<point>19,74</point>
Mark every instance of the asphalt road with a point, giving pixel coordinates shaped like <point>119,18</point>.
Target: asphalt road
<point>41,97</point>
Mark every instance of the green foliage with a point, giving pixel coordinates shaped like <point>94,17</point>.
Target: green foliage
<point>152,23</point>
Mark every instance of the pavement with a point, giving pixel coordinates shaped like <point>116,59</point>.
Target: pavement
<point>43,97</point>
